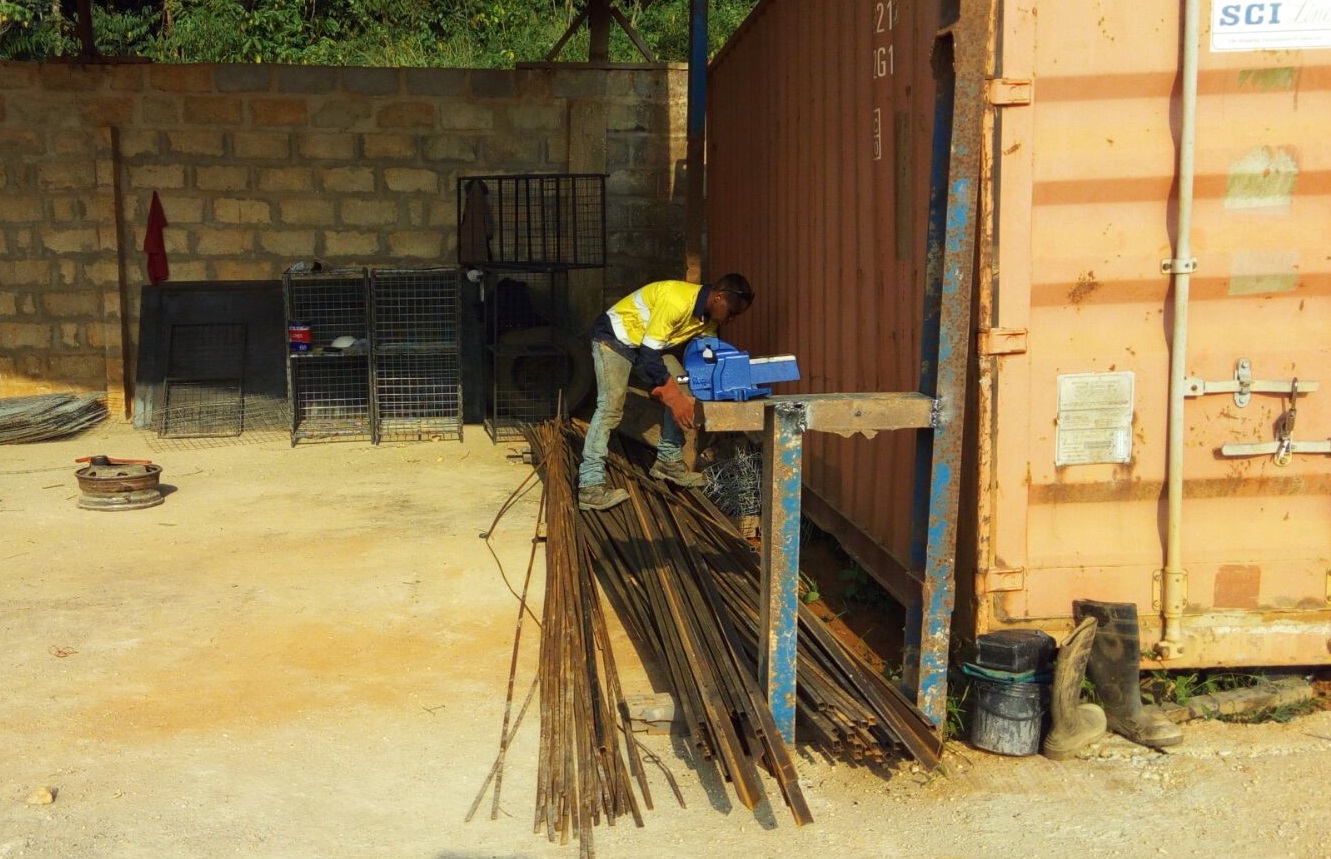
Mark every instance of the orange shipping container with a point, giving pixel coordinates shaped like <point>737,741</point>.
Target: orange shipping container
<point>821,130</point>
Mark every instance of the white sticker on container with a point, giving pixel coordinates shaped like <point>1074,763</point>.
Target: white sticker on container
<point>1270,25</point>
<point>1094,418</point>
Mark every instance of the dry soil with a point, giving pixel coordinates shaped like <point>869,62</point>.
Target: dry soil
<point>304,652</point>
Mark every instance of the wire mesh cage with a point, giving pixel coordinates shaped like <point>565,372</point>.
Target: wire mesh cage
<point>418,396</point>
<point>332,304</point>
<point>330,397</point>
<point>416,310</point>
<point>553,220</point>
<point>527,379</point>
<point>203,388</point>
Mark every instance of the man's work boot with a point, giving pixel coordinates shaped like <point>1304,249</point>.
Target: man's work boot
<point>600,497</point>
<point>1115,669</point>
<point>677,473</point>
<point>1075,723</point>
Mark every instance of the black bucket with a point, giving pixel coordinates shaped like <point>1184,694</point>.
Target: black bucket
<point>1009,718</point>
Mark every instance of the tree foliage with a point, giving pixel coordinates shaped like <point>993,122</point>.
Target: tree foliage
<point>418,33</point>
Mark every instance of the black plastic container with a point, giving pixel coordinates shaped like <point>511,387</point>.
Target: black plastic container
<point>1015,650</point>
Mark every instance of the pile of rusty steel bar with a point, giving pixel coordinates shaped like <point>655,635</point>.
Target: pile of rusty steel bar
<point>687,585</point>
<point>582,773</point>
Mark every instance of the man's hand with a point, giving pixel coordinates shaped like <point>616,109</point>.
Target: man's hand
<point>679,403</point>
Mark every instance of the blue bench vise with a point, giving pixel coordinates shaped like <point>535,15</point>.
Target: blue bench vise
<point>715,370</point>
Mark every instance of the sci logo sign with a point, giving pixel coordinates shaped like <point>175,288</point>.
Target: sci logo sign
<point>1271,25</point>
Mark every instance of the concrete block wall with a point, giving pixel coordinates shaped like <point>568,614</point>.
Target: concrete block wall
<point>260,166</point>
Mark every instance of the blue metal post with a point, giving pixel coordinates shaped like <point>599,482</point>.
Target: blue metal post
<point>783,449</point>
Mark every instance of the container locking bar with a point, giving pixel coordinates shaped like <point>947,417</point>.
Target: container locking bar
<point>1243,385</point>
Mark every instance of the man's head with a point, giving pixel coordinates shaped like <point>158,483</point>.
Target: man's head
<point>731,295</point>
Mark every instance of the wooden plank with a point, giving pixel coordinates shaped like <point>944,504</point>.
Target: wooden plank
<point>843,414</point>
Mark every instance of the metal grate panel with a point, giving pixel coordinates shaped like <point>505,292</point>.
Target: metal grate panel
<point>333,304</point>
<point>418,396</point>
<point>330,396</point>
<point>416,310</point>
<point>554,220</point>
<point>526,384</point>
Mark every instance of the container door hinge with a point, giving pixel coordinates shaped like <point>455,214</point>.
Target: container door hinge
<point>998,580</point>
<point>1009,92</point>
<point>1002,341</point>
<point>1243,385</point>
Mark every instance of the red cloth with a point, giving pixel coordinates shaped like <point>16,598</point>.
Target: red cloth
<point>154,244</point>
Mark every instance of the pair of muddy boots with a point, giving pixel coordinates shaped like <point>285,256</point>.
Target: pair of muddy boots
<point>603,497</point>
<point>1105,646</point>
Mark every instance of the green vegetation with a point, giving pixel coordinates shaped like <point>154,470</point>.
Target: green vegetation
<point>396,33</point>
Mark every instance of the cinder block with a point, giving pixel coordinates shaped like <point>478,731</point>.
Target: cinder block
<point>174,77</point>
<point>317,211</point>
<point>8,300</point>
<point>78,144</point>
<point>68,241</point>
<point>279,111</point>
<point>88,370</point>
<point>416,244</point>
<point>106,110</point>
<point>213,110</point>
<point>327,146</point>
<point>15,143</point>
<point>160,111</point>
<point>136,142</point>
<point>250,145</point>
<point>62,175</point>
<point>370,81</point>
<point>308,79</point>
<point>70,335</point>
<point>69,77</point>
<point>196,142</point>
<point>577,83</point>
<point>349,243</point>
<point>156,177</point>
<point>242,78</point>
<point>457,114</point>
<point>68,208</point>
<point>538,115</point>
<point>220,177</point>
<point>369,213</point>
<point>289,243</point>
<point>407,114</point>
<point>129,77</point>
<point>20,208</point>
<point>434,81</point>
<point>285,179</point>
<point>343,114</point>
<point>61,304</point>
<point>103,271</point>
<point>246,269</point>
<point>406,180</point>
<point>18,76</point>
<point>346,179</point>
<point>492,83</point>
<point>228,210</point>
<point>225,241</point>
<point>400,147</point>
<point>451,147</point>
<point>25,335</point>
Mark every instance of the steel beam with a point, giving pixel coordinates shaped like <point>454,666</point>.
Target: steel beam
<point>783,451</point>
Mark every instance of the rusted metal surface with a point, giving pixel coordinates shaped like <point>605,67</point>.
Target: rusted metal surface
<point>819,136</point>
<point>818,190</point>
<point>119,485</point>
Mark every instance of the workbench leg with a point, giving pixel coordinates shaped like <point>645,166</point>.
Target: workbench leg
<point>783,449</point>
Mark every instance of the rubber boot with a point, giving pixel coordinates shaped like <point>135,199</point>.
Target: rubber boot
<point>1075,724</point>
<point>1115,669</point>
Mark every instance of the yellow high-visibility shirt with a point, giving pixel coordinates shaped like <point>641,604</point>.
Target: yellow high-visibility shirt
<point>660,316</point>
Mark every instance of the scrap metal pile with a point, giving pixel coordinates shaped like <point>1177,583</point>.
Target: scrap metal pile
<point>46,417</point>
<point>686,584</point>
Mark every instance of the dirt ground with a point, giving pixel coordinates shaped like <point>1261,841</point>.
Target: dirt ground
<point>305,652</point>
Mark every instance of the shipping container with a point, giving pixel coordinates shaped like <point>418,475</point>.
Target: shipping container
<point>1147,284</point>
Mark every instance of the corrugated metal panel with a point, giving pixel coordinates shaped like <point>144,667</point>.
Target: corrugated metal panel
<point>1086,182</point>
<point>1078,211</point>
<point>818,158</point>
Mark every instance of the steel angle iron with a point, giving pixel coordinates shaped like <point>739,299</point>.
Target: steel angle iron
<point>108,483</point>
